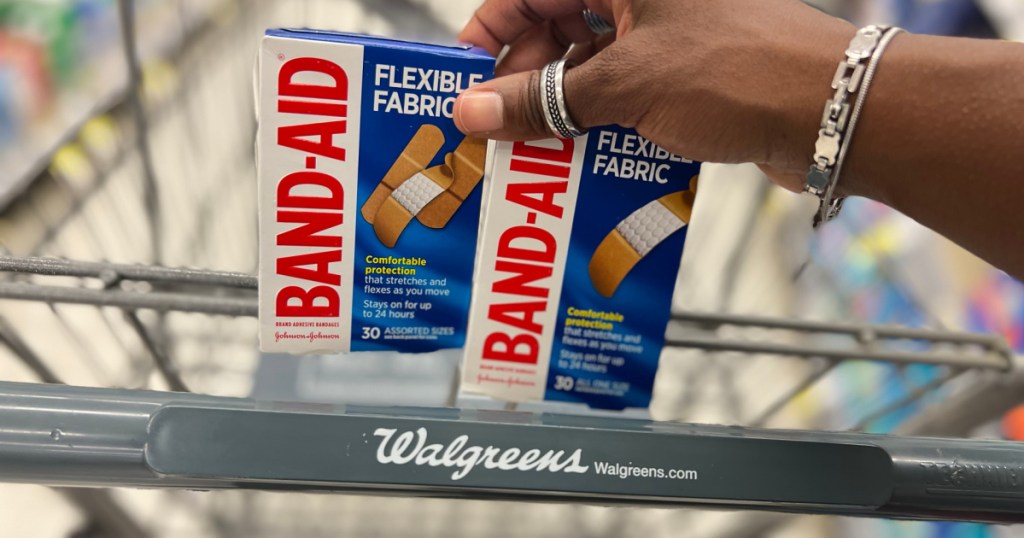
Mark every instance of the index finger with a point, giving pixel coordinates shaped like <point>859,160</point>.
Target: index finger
<point>497,23</point>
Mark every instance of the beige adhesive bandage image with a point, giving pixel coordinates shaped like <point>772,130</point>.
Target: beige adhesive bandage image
<point>408,200</point>
<point>637,235</point>
<point>417,154</point>
<point>467,165</point>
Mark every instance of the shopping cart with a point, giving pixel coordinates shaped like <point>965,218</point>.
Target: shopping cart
<point>96,235</point>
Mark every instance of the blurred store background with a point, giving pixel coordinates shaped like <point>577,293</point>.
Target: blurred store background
<point>77,181</point>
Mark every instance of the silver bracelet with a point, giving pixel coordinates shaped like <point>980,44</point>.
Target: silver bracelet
<point>853,75</point>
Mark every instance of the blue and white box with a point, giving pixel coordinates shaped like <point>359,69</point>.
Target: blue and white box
<point>579,256</point>
<point>369,196</point>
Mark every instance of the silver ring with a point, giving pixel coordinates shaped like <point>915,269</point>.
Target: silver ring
<point>552,93</point>
<point>597,23</point>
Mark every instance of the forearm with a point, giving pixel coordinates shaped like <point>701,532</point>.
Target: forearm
<point>941,139</point>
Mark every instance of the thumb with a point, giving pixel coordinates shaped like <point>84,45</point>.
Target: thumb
<point>509,107</point>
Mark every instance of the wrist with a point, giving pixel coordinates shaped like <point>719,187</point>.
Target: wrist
<point>808,66</point>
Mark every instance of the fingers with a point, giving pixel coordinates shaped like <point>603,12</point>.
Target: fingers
<point>509,108</point>
<point>544,43</point>
<point>501,22</point>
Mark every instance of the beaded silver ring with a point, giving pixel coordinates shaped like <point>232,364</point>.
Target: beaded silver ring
<point>552,93</point>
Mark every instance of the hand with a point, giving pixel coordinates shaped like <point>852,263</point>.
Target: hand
<point>715,80</point>
<point>746,80</point>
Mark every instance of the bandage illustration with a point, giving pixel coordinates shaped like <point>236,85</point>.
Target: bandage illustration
<point>432,196</point>
<point>637,235</point>
<point>417,154</point>
<point>467,166</point>
<point>408,200</point>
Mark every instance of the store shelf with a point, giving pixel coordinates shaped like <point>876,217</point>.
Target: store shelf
<point>103,85</point>
<point>26,159</point>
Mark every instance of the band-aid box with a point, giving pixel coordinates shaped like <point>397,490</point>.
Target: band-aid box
<point>368,194</point>
<point>578,259</point>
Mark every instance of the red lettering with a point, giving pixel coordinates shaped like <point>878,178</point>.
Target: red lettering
<point>297,267</point>
<point>525,194</point>
<point>335,200</point>
<point>546,156</point>
<point>308,234</point>
<point>307,83</point>
<point>502,347</point>
<point>313,108</point>
<point>534,150</point>
<point>507,314</point>
<point>296,137</point>
<point>307,302</point>
<point>286,84</point>
<point>540,237</point>
<point>524,274</point>
<point>539,169</point>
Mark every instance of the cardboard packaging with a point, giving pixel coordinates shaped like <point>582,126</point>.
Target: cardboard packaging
<point>368,194</point>
<point>579,255</point>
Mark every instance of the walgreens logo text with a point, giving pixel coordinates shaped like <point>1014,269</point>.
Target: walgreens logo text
<point>413,448</point>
